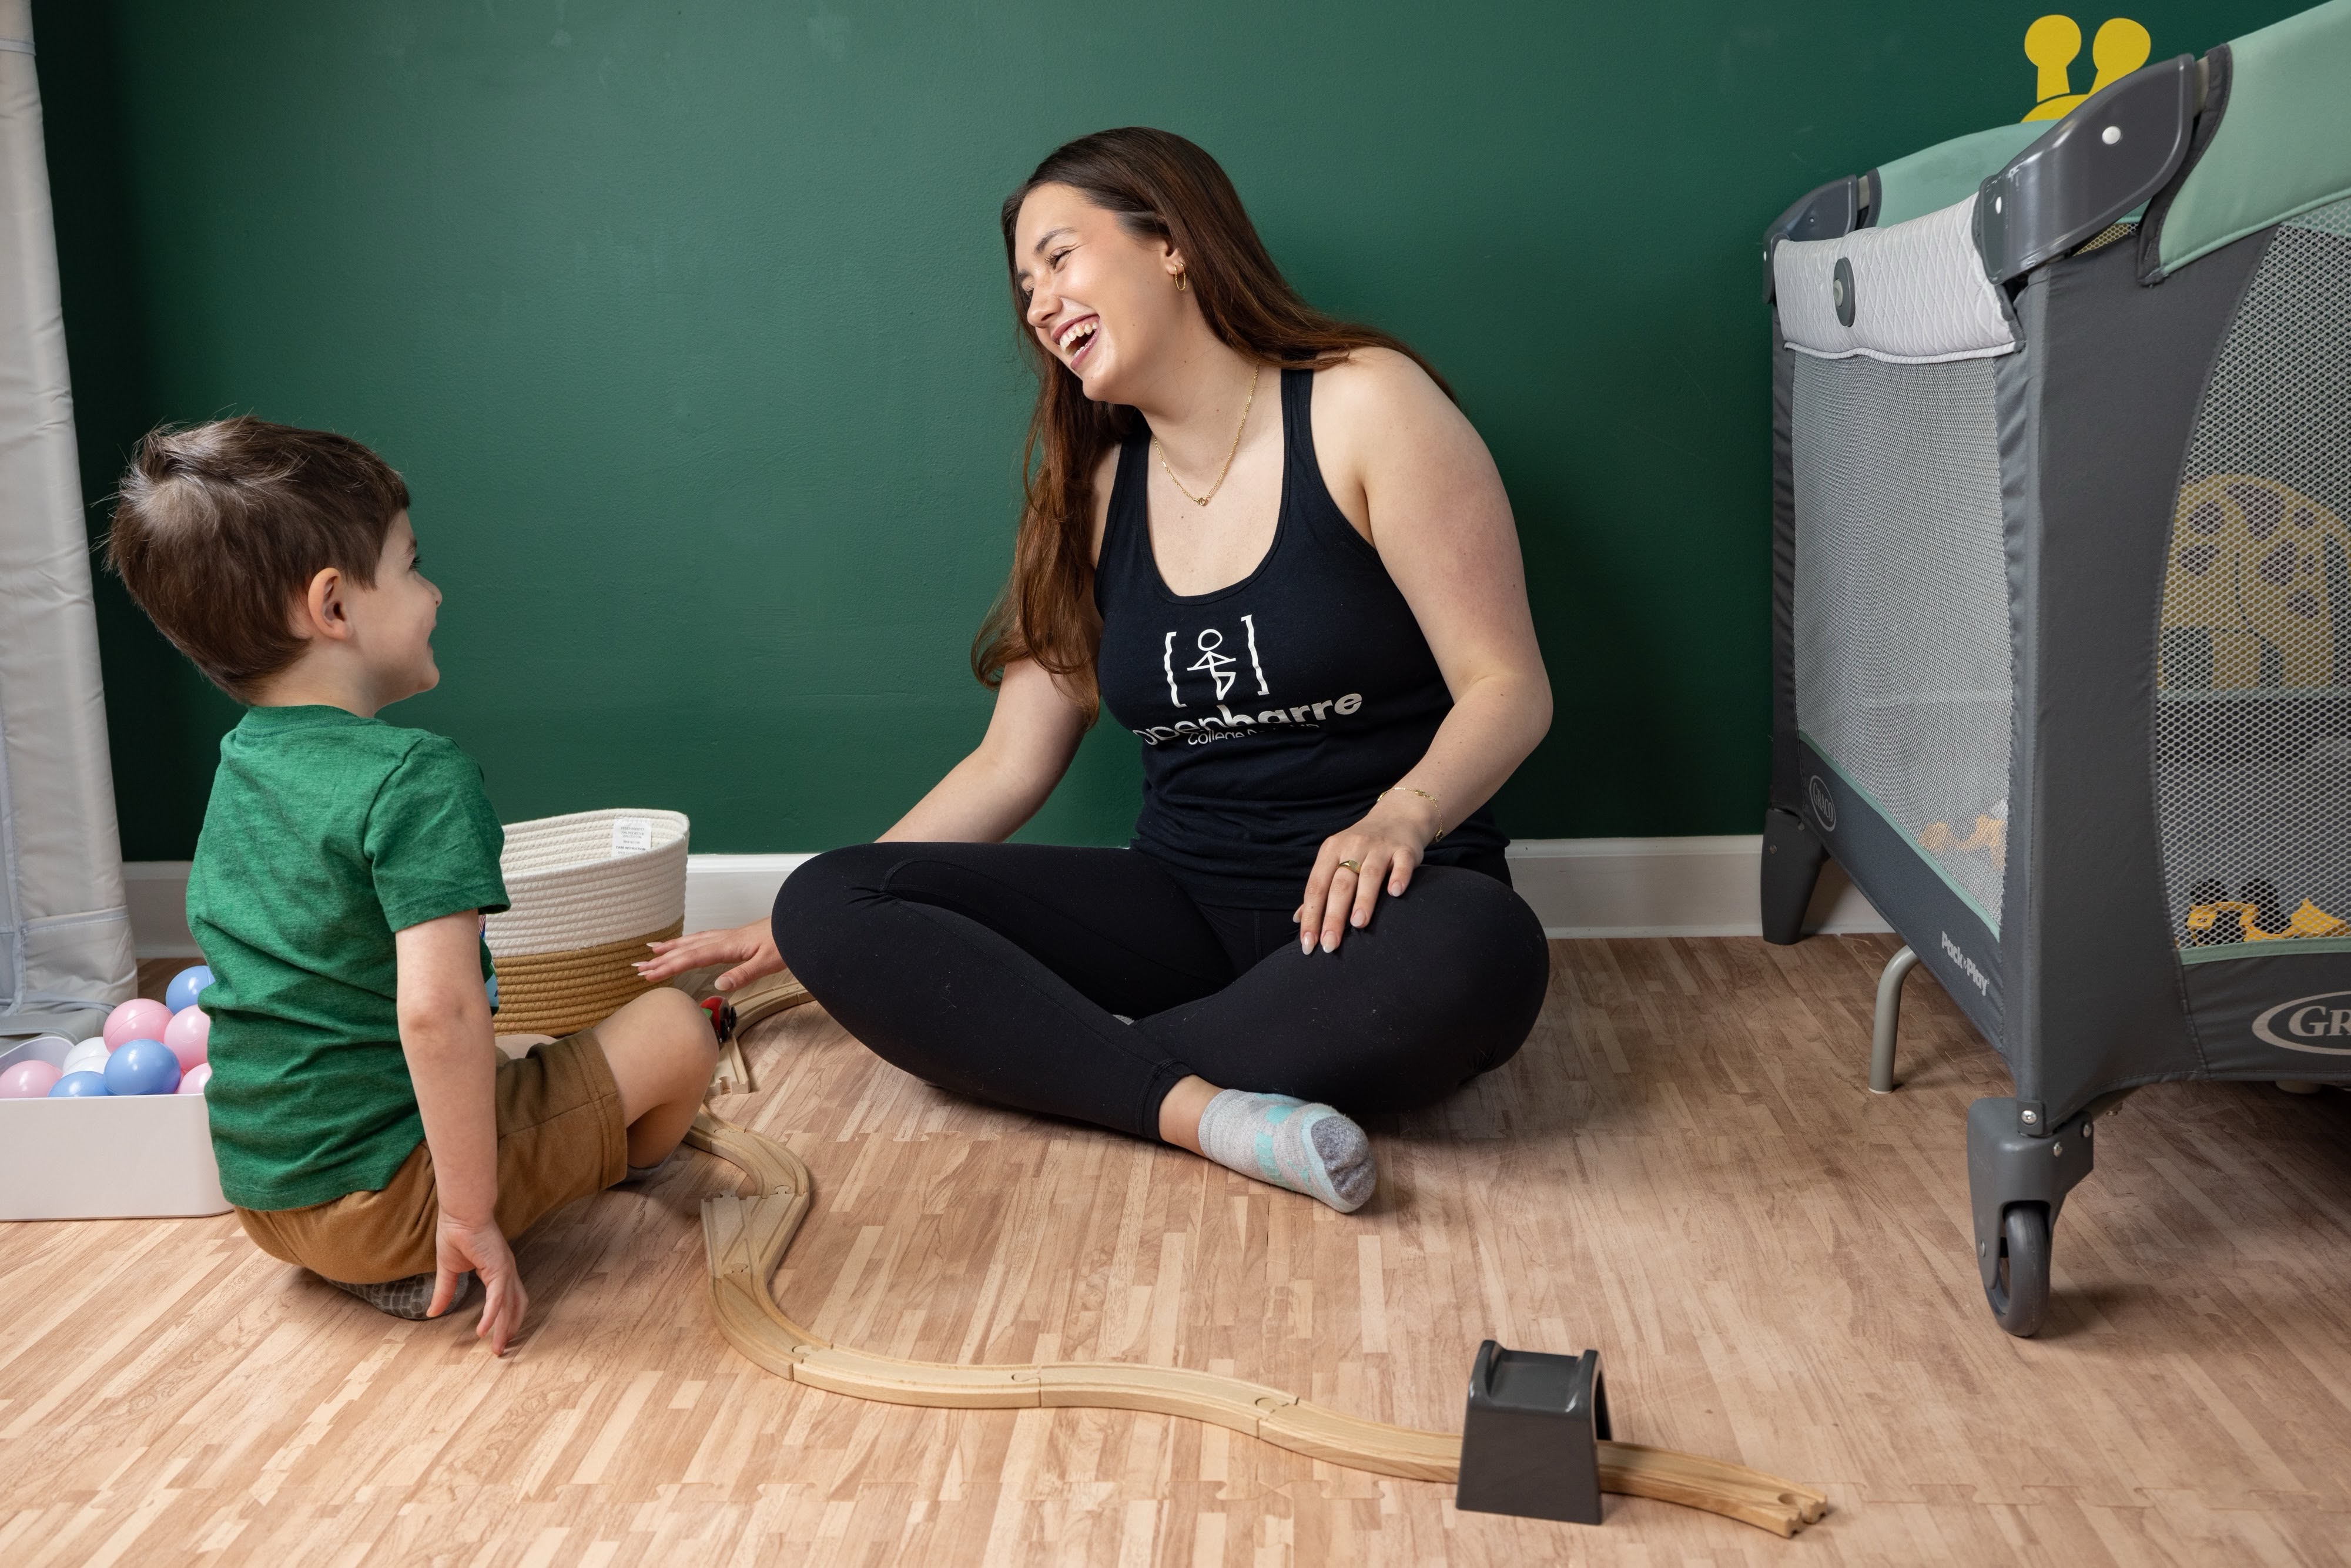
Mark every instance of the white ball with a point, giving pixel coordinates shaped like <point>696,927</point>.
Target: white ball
<point>90,1056</point>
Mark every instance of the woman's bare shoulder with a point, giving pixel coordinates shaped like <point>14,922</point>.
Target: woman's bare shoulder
<point>1377,414</point>
<point>1376,383</point>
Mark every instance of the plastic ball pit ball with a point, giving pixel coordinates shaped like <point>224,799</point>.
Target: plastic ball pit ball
<point>188,1034</point>
<point>181,994</point>
<point>143,1067</point>
<point>28,1081</point>
<point>198,1076</point>
<point>82,1086</point>
<point>139,1018</point>
<point>90,1056</point>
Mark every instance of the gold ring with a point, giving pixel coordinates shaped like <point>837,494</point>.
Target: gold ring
<point>1355,866</point>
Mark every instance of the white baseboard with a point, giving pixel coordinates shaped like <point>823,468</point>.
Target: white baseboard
<point>1579,888</point>
<point>733,890</point>
<point>1702,886</point>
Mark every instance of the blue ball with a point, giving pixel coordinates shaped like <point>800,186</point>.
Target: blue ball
<point>143,1067</point>
<point>182,992</point>
<point>84,1085</point>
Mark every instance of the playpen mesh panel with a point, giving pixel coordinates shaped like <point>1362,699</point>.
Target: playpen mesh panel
<point>2254,721</point>
<point>1901,611</point>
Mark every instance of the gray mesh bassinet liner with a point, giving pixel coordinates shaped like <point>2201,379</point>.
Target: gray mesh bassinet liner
<point>1901,634</point>
<point>2253,723</point>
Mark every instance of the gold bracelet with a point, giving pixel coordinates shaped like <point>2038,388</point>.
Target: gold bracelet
<point>1409,791</point>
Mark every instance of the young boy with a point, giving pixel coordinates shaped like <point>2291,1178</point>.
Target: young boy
<point>366,1124</point>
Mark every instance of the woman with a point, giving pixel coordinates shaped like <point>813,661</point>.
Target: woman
<point>1270,542</point>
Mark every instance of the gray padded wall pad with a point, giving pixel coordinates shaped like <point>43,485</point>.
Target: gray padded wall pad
<point>1950,938</point>
<point>2121,370</point>
<point>63,925</point>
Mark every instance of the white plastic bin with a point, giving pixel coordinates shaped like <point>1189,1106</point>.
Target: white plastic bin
<point>132,1157</point>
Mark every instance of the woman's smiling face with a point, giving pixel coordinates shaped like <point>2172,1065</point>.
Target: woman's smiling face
<point>1102,300</point>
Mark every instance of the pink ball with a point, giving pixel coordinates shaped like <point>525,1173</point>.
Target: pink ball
<point>188,1034</point>
<point>139,1018</point>
<point>28,1081</point>
<point>197,1077</point>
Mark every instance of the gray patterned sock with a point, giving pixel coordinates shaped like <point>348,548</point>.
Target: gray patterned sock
<point>407,1298</point>
<point>1307,1148</point>
<point>638,1174</point>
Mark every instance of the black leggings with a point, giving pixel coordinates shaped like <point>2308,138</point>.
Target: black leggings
<point>995,971</point>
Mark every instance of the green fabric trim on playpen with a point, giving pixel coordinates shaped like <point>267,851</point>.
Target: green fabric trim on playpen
<point>2222,953</point>
<point>1933,178</point>
<point>2284,145</point>
<point>1961,894</point>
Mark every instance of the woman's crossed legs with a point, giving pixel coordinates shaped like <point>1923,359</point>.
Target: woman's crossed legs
<point>1003,972</point>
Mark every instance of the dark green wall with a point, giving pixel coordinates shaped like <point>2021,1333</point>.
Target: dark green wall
<point>686,325</point>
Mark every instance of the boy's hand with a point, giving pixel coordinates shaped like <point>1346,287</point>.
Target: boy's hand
<point>457,1247</point>
<point>750,948</point>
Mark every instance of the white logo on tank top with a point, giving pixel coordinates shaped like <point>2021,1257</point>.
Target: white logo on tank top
<point>1223,673</point>
<point>1217,664</point>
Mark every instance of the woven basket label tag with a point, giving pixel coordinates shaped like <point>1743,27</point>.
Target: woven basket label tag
<point>631,836</point>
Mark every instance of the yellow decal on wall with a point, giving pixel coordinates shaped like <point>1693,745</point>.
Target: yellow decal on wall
<point>2052,43</point>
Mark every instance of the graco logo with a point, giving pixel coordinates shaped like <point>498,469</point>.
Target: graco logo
<point>1823,803</point>
<point>2309,1019</point>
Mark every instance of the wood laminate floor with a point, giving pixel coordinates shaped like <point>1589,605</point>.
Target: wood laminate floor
<point>1683,1168</point>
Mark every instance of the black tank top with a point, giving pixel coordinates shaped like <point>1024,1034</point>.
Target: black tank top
<point>1273,711</point>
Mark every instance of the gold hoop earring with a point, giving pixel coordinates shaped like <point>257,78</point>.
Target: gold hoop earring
<point>1180,284</point>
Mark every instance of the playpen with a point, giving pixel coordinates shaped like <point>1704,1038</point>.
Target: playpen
<point>2063,594</point>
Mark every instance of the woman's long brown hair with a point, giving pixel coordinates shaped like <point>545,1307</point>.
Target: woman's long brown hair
<point>1160,186</point>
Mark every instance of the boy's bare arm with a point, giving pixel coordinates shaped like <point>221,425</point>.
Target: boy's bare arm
<point>444,1031</point>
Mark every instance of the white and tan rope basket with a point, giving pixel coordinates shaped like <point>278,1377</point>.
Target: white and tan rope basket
<point>588,890</point>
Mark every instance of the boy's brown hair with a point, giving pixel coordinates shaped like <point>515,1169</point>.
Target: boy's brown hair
<point>218,529</point>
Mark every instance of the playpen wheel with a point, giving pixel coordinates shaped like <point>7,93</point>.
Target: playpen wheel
<point>2019,1293</point>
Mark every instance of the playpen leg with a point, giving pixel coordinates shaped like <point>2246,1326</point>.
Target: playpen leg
<point>1888,1020</point>
<point>1792,868</point>
<point>2019,1172</point>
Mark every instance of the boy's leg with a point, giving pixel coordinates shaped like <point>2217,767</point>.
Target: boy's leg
<point>576,1115</point>
<point>661,1051</point>
<point>559,1126</point>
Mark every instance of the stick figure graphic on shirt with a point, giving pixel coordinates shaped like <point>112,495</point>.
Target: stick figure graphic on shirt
<point>1217,666</point>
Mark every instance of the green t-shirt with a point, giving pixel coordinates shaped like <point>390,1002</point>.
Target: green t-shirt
<point>326,833</point>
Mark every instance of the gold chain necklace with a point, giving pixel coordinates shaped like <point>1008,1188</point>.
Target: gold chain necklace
<point>1202,501</point>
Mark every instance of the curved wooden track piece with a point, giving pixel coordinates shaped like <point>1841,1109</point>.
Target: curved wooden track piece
<point>762,998</point>
<point>747,1237</point>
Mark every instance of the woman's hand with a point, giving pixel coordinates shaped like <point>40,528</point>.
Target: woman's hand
<point>751,949</point>
<point>1381,850</point>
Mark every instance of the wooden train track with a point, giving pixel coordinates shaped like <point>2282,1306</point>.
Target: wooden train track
<point>746,1235</point>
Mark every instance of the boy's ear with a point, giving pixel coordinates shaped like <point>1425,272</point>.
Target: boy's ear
<point>322,613</point>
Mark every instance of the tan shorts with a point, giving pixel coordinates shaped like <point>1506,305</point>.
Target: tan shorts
<point>561,1137</point>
